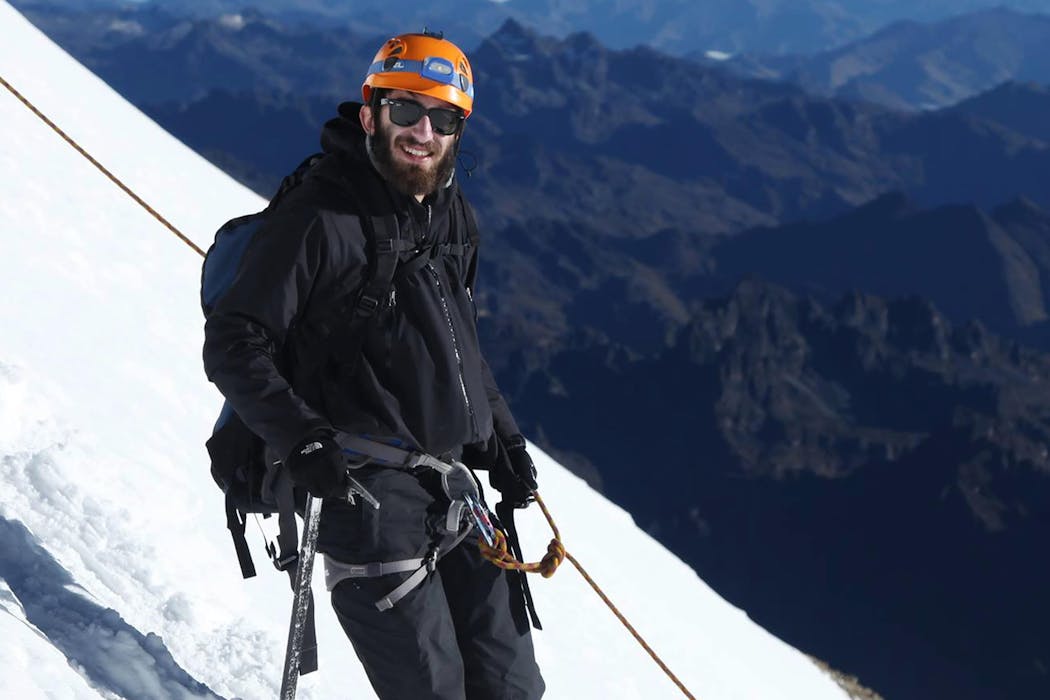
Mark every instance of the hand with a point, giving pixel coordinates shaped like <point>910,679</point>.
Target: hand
<point>513,474</point>
<point>318,465</point>
<point>481,455</point>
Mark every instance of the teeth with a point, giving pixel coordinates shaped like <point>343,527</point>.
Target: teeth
<point>416,152</point>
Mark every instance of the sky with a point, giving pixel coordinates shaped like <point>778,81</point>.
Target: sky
<point>117,575</point>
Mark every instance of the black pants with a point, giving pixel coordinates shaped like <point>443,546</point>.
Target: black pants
<point>463,634</point>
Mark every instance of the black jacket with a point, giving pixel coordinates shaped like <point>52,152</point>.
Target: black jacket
<point>418,374</point>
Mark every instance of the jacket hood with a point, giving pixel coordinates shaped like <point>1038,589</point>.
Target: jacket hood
<point>343,134</point>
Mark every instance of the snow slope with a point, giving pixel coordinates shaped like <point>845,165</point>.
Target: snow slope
<point>117,576</point>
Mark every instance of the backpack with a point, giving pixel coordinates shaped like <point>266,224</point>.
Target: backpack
<point>247,472</point>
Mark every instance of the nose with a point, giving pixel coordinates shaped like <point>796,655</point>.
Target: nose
<point>422,129</point>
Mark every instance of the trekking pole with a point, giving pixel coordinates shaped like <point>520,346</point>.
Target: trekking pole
<point>301,603</point>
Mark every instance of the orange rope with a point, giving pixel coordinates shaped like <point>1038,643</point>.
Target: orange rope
<point>101,167</point>
<point>546,567</point>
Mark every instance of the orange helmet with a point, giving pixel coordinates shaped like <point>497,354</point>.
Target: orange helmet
<point>425,63</point>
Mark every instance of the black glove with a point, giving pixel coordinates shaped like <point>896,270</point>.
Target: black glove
<point>481,455</point>
<point>318,465</point>
<point>513,474</point>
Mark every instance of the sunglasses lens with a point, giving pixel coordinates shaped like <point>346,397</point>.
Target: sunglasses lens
<point>444,121</point>
<point>405,113</point>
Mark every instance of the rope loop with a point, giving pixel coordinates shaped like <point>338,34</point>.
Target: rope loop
<point>501,557</point>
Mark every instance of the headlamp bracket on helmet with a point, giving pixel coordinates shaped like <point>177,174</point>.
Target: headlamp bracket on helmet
<point>437,69</point>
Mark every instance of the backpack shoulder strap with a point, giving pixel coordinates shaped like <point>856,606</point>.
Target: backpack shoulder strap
<point>473,239</point>
<point>294,178</point>
<point>386,247</point>
<point>473,236</point>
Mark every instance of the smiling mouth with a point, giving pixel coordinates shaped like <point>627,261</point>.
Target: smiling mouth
<point>416,153</point>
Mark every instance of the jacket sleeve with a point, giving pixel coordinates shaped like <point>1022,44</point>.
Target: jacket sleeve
<point>245,333</point>
<point>502,419</point>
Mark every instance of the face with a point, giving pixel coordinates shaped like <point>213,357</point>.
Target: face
<point>415,159</point>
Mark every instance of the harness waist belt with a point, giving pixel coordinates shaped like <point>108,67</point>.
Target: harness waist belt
<point>335,570</point>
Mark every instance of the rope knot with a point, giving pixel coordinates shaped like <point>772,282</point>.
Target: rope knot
<point>498,554</point>
<point>553,559</point>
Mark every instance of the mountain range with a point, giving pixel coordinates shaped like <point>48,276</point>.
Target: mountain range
<point>864,476</point>
<point>913,65</point>
<point>670,26</point>
<point>991,266</point>
<point>692,148</point>
<point>837,462</point>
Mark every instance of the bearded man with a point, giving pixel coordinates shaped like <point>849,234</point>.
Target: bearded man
<point>335,376</point>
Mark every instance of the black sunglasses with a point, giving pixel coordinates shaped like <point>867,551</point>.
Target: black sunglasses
<point>408,112</point>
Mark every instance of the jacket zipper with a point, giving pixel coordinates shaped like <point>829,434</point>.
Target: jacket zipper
<point>423,236</point>
<point>455,346</point>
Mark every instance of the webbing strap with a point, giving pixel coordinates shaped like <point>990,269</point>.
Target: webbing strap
<point>388,454</point>
<point>410,583</point>
<point>505,514</point>
<point>390,599</point>
<point>285,554</point>
<point>388,245</point>
<point>335,570</point>
<point>473,238</point>
<point>237,524</point>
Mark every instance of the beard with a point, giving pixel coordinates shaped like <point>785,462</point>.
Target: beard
<point>409,178</point>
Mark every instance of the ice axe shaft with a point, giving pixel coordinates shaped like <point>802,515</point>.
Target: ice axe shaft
<point>302,599</point>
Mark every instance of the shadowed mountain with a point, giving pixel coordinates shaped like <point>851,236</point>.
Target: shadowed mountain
<point>1022,107</point>
<point>570,131</point>
<point>672,26</point>
<point>909,65</point>
<point>868,480</point>
<point>994,267</point>
<point>580,133</point>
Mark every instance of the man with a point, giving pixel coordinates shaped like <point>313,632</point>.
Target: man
<point>411,375</point>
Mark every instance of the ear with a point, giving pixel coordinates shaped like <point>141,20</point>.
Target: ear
<point>367,117</point>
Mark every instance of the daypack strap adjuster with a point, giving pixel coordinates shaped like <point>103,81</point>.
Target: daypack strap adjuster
<point>367,305</point>
<point>281,563</point>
